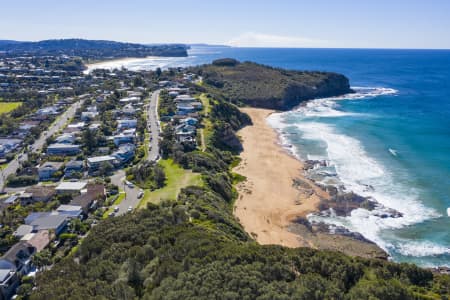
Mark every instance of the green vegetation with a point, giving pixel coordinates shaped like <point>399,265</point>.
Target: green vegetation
<point>177,178</point>
<point>6,107</point>
<point>263,86</point>
<point>147,175</point>
<point>118,200</point>
<point>92,49</point>
<point>185,243</point>
<point>166,106</point>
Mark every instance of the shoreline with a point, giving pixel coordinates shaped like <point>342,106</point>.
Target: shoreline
<point>276,197</point>
<point>111,63</point>
<point>116,63</point>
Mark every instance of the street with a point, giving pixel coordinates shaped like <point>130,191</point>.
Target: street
<point>131,194</point>
<point>153,126</point>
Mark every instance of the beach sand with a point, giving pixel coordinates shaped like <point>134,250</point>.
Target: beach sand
<point>276,192</point>
<point>268,200</point>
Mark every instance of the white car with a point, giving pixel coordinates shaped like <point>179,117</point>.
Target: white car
<point>116,209</point>
<point>129,184</point>
<point>129,208</point>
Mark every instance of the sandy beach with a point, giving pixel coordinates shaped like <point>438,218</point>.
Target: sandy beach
<point>121,62</point>
<point>276,193</point>
<point>269,200</point>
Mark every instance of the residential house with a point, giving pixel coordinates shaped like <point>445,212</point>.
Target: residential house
<point>129,110</point>
<point>38,240</point>
<point>90,113</point>
<point>88,199</point>
<point>94,126</point>
<point>63,149</point>
<point>51,110</point>
<point>54,222</point>
<point>189,121</point>
<point>95,162</point>
<point>185,99</point>
<point>37,194</point>
<point>73,166</point>
<point>125,153</point>
<point>197,105</point>
<point>68,187</point>
<point>78,125</point>
<point>13,264</point>
<point>48,169</point>
<point>71,211</point>
<point>8,145</point>
<point>184,109</point>
<point>126,124</point>
<point>130,99</point>
<point>23,230</point>
<point>65,138</point>
<point>123,138</point>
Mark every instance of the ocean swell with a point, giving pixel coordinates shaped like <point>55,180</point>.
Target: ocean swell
<point>354,170</point>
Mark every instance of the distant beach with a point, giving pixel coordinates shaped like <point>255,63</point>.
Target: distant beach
<point>114,63</point>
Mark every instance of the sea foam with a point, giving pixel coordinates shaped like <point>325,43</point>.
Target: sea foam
<point>357,170</point>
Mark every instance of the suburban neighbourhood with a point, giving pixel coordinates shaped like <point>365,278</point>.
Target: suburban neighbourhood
<point>70,144</point>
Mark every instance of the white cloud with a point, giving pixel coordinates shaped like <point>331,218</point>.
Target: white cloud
<point>254,39</point>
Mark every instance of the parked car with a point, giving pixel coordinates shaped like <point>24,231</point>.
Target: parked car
<point>116,209</point>
<point>129,184</point>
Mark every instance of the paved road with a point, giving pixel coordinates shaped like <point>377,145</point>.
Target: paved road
<point>131,194</point>
<point>39,143</point>
<point>153,126</point>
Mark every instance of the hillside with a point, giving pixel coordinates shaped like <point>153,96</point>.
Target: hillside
<point>91,49</point>
<point>266,87</point>
<point>194,248</point>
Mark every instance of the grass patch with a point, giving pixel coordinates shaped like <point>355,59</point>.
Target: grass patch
<point>117,202</point>
<point>237,178</point>
<point>177,178</point>
<point>6,107</point>
<point>206,103</point>
<point>206,131</point>
<point>146,144</point>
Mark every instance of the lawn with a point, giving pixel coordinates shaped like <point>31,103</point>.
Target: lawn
<point>6,107</point>
<point>206,131</point>
<point>116,202</point>
<point>177,178</point>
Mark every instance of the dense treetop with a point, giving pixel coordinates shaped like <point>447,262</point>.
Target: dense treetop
<point>263,86</point>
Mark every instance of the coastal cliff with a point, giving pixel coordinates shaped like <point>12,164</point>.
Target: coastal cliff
<point>262,86</point>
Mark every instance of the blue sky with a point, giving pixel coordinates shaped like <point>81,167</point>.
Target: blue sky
<point>263,23</point>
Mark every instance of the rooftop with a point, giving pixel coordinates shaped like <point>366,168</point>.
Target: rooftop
<point>97,159</point>
<point>72,186</point>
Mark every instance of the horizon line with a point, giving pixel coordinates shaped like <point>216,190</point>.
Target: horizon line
<point>232,46</point>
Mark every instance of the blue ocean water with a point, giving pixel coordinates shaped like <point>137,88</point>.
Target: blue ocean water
<point>389,141</point>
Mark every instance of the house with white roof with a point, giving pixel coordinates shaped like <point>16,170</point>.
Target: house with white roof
<point>70,187</point>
